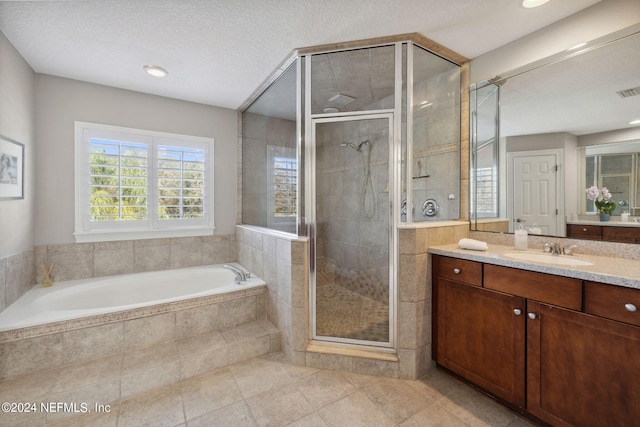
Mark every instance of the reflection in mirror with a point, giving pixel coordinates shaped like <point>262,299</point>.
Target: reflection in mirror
<point>556,133</point>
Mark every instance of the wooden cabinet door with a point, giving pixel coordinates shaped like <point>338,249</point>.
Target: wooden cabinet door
<point>480,336</point>
<point>581,370</point>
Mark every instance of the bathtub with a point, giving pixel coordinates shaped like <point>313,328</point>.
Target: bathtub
<point>130,293</point>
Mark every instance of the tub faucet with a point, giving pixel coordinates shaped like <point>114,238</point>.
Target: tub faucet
<point>241,275</point>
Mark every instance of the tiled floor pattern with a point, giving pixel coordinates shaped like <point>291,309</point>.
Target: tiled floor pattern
<point>265,391</point>
<point>346,314</point>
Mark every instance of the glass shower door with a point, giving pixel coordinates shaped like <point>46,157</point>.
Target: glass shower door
<point>351,287</point>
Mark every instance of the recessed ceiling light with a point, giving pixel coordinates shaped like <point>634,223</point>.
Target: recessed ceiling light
<point>533,3</point>
<point>635,122</point>
<point>155,71</point>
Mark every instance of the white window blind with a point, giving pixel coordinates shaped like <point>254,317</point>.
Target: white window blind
<point>282,178</point>
<point>133,183</point>
<point>486,193</point>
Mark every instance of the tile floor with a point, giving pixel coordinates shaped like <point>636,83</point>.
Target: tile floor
<point>265,391</point>
<point>346,314</point>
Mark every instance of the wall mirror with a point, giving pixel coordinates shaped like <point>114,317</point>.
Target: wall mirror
<point>543,133</point>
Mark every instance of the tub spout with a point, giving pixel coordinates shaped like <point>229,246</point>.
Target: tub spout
<point>241,275</point>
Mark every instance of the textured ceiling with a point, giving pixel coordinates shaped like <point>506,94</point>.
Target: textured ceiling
<point>218,52</point>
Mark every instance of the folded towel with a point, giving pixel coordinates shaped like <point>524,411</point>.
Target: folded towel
<point>474,245</point>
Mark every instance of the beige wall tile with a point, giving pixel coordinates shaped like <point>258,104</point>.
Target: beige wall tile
<point>149,330</point>
<point>93,342</point>
<point>72,261</point>
<point>25,356</point>
<point>197,320</point>
<point>113,258</point>
<point>237,311</point>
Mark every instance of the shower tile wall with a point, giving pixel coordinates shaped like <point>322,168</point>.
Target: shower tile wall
<point>284,265</point>
<point>258,133</point>
<point>353,245</point>
<point>436,144</point>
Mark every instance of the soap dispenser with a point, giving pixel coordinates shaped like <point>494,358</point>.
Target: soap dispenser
<point>520,239</point>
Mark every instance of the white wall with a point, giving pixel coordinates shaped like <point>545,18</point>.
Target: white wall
<point>60,102</point>
<point>593,22</point>
<point>16,122</point>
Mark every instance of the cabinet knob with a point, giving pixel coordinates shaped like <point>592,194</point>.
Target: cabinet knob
<point>517,311</point>
<point>584,229</point>
<point>532,316</point>
<point>456,270</point>
<point>630,307</point>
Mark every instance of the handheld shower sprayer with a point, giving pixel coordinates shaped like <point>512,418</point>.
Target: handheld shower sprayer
<point>357,148</point>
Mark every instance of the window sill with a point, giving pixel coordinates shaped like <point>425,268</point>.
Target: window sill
<point>110,236</point>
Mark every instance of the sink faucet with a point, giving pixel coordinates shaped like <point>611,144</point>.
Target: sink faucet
<point>554,248</point>
<point>241,275</point>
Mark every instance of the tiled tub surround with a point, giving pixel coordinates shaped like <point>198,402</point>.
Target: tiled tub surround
<point>76,300</point>
<point>85,260</point>
<point>18,273</point>
<point>283,261</point>
<point>56,344</point>
<point>17,276</point>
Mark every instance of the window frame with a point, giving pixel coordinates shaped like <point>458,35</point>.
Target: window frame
<point>274,152</point>
<point>86,230</point>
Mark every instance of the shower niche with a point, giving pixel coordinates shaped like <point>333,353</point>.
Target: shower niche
<point>365,130</point>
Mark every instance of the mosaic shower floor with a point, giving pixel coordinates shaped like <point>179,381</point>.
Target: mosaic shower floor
<point>346,314</point>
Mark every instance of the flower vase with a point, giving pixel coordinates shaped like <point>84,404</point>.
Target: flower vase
<point>604,217</point>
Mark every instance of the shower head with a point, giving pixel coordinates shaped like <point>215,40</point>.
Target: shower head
<point>363,143</point>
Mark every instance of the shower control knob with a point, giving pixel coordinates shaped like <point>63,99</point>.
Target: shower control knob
<point>456,270</point>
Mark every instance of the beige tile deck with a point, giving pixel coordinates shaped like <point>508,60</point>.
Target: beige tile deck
<point>266,391</point>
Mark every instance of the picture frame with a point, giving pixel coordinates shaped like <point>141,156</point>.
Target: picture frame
<point>11,169</point>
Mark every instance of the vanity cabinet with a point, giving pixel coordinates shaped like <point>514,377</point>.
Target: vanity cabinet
<point>582,370</point>
<point>609,233</point>
<point>588,232</point>
<point>560,349</point>
<point>480,336</point>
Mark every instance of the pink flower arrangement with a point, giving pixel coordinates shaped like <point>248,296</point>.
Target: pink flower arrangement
<point>602,199</point>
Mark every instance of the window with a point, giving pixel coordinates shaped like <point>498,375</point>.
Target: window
<point>134,184</point>
<point>486,193</point>
<point>282,187</point>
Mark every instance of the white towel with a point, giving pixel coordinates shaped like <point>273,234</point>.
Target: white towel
<point>474,245</point>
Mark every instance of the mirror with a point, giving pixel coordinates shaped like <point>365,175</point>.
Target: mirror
<point>542,134</point>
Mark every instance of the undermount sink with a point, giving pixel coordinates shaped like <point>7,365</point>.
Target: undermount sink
<point>547,258</point>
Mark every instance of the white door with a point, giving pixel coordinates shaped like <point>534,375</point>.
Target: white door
<point>535,192</point>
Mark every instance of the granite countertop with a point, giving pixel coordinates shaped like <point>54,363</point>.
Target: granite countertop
<point>630,223</point>
<point>614,271</point>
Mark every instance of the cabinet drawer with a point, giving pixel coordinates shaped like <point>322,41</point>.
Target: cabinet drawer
<point>612,302</point>
<point>561,291</point>
<point>593,232</point>
<point>459,270</point>
<point>621,234</point>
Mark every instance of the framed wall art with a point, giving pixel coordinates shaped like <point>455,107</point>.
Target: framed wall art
<point>11,169</point>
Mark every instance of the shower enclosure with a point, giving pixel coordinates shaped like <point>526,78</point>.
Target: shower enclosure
<point>361,132</point>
